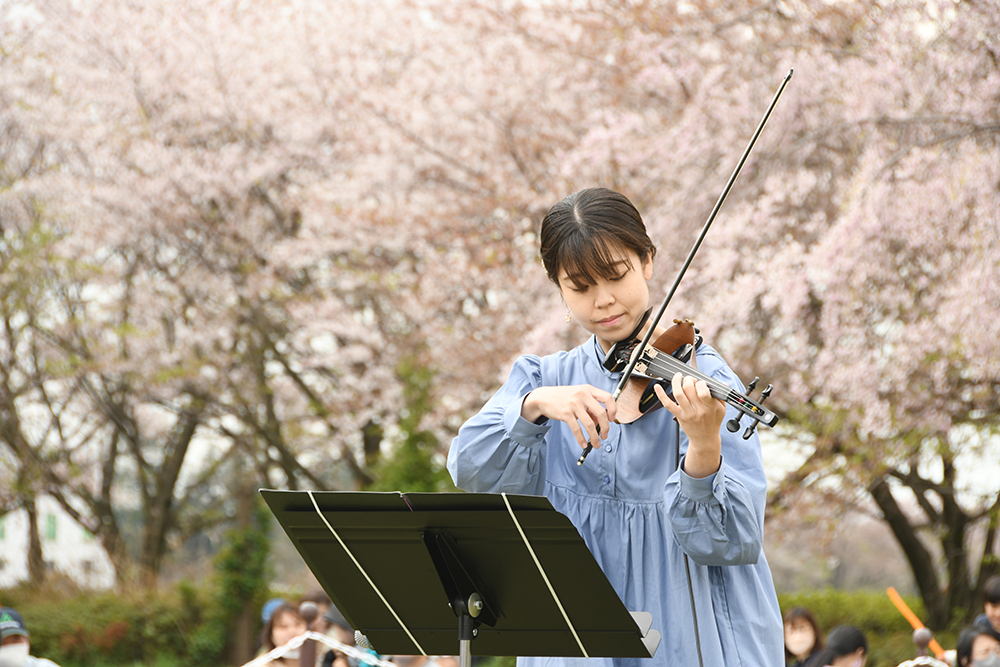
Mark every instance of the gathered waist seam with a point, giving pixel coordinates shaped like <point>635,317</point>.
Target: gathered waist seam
<point>609,499</point>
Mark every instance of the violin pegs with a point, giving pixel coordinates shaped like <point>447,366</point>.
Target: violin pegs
<point>763,397</point>
<point>733,425</point>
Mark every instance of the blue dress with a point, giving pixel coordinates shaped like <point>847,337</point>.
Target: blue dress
<point>639,514</point>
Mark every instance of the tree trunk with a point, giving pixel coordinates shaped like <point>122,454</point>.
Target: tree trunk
<point>953,529</point>
<point>36,560</point>
<point>243,639</point>
<point>921,562</point>
<point>160,512</point>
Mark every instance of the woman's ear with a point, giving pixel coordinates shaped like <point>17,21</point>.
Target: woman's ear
<point>647,267</point>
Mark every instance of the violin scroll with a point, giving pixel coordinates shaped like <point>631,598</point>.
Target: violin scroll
<point>753,427</point>
<point>733,425</point>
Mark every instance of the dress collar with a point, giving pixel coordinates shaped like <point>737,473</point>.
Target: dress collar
<point>598,355</point>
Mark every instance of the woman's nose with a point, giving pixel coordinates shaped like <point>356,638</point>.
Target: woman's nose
<point>603,295</point>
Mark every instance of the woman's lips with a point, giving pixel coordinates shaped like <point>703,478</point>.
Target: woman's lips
<point>611,321</point>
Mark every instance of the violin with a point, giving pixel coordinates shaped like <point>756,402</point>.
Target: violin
<point>671,353</point>
<point>649,365</point>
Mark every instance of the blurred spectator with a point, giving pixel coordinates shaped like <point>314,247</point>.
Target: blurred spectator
<point>337,628</point>
<point>803,638</point>
<point>990,621</point>
<point>265,618</point>
<point>425,661</point>
<point>341,630</point>
<point>284,625</point>
<point>977,647</point>
<point>846,646</point>
<point>268,609</point>
<point>322,601</point>
<point>14,642</point>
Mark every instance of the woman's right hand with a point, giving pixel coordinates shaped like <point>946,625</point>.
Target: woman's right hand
<point>576,405</point>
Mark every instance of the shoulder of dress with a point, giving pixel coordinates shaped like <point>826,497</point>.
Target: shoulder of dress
<point>709,355</point>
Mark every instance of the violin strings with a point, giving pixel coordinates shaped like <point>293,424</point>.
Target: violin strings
<point>663,364</point>
<point>668,364</point>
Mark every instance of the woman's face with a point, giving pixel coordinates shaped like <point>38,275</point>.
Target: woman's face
<point>984,647</point>
<point>611,309</point>
<point>799,637</point>
<point>993,613</point>
<point>286,627</point>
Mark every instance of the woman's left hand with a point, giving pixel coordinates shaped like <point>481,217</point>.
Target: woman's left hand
<point>700,415</point>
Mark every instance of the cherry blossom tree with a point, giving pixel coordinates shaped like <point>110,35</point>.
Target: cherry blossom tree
<point>263,216</point>
<point>856,261</point>
<point>252,279</point>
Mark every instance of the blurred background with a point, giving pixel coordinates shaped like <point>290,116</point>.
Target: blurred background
<point>291,244</point>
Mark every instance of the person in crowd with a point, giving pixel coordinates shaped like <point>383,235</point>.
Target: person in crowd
<point>338,628</point>
<point>322,601</point>
<point>424,660</point>
<point>268,609</point>
<point>265,617</point>
<point>803,637</point>
<point>846,646</point>
<point>657,499</point>
<point>989,621</point>
<point>977,647</point>
<point>15,642</point>
<point>284,625</point>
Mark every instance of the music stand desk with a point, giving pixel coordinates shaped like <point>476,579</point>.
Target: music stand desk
<point>425,573</point>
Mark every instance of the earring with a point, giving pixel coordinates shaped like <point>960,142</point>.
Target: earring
<point>569,316</point>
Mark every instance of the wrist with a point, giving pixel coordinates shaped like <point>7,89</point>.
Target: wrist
<point>701,460</point>
<point>530,410</point>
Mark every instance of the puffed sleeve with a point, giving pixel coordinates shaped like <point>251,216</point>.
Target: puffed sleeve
<point>719,519</point>
<point>498,450</point>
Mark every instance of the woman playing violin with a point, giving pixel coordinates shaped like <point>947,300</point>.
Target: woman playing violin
<point>642,510</point>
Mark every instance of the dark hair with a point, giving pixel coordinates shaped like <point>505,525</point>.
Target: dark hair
<point>821,658</point>
<point>317,595</point>
<point>266,635</point>
<point>803,614</point>
<point>845,639</point>
<point>991,590</point>
<point>584,233</point>
<point>966,638</point>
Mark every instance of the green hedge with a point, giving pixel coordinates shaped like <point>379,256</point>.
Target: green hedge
<point>161,628</point>
<point>189,624</point>
<point>107,628</point>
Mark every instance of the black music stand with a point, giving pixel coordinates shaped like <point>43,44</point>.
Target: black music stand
<point>402,567</point>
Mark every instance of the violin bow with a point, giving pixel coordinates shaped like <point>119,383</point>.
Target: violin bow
<point>627,373</point>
